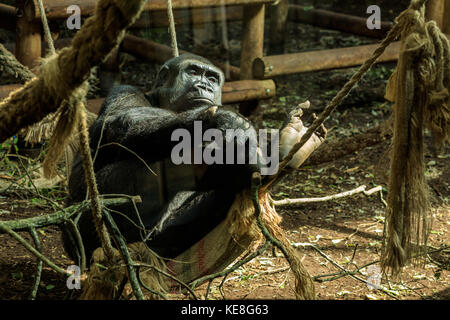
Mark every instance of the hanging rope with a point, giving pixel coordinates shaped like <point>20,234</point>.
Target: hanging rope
<point>420,88</point>
<point>173,34</point>
<point>47,33</point>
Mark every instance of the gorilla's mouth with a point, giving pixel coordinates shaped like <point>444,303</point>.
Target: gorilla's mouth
<point>202,99</point>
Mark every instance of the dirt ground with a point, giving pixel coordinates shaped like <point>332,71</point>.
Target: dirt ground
<point>347,231</point>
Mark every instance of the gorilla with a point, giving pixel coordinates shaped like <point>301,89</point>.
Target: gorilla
<point>130,141</point>
<point>132,146</point>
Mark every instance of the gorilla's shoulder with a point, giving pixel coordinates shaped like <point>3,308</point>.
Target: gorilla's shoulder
<point>122,97</point>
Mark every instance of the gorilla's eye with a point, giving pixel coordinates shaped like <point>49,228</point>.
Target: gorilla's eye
<point>192,71</point>
<point>213,79</point>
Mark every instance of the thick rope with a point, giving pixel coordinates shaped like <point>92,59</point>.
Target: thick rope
<point>70,68</point>
<point>304,286</point>
<point>173,34</point>
<point>420,89</point>
<point>402,23</point>
<point>10,65</point>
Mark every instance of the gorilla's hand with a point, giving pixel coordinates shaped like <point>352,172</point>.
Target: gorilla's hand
<point>239,146</point>
<point>292,133</point>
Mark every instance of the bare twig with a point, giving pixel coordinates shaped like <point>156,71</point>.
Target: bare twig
<point>250,257</point>
<point>125,255</point>
<point>30,248</point>
<point>345,271</point>
<point>361,189</point>
<point>157,293</point>
<point>184,285</point>
<point>37,278</point>
<point>130,151</point>
<point>80,244</point>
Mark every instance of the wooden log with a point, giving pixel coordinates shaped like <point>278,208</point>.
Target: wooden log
<point>150,50</point>
<point>435,11</point>
<point>271,66</point>
<point>232,92</point>
<point>247,90</point>
<point>56,9</point>
<point>277,34</point>
<point>28,36</point>
<point>59,44</point>
<point>142,48</point>
<point>252,38</point>
<point>338,21</point>
<point>8,18</point>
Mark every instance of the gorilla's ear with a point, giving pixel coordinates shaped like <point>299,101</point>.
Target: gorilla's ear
<point>163,75</point>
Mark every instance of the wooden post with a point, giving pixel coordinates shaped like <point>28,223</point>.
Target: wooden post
<point>278,19</point>
<point>446,20</point>
<point>435,11</point>
<point>251,47</point>
<point>252,38</point>
<point>28,35</point>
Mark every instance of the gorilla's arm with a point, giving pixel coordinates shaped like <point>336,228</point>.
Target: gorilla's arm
<point>127,119</point>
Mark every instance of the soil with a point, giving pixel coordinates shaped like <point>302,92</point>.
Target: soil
<point>348,231</point>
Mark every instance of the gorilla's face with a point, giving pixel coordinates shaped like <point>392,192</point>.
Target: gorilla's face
<point>190,84</point>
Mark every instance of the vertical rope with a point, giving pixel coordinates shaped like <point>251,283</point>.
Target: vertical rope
<point>47,33</point>
<point>173,34</point>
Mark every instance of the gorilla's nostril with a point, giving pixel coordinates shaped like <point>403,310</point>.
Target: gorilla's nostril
<point>204,86</point>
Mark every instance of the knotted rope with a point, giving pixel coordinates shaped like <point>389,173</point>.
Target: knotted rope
<point>420,88</point>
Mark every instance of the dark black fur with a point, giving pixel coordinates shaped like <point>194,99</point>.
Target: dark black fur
<point>128,118</point>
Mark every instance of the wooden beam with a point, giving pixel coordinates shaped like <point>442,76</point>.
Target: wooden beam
<point>232,92</point>
<point>160,53</point>
<point>56,9</point>
<point>271,66</point>
<point>8,18</point>
<point>337,21</point>
<point>252,38</point>
<point>247,90</point>
<point>144,49</point>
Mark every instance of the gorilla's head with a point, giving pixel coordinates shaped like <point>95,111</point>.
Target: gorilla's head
<point>187,81</point>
